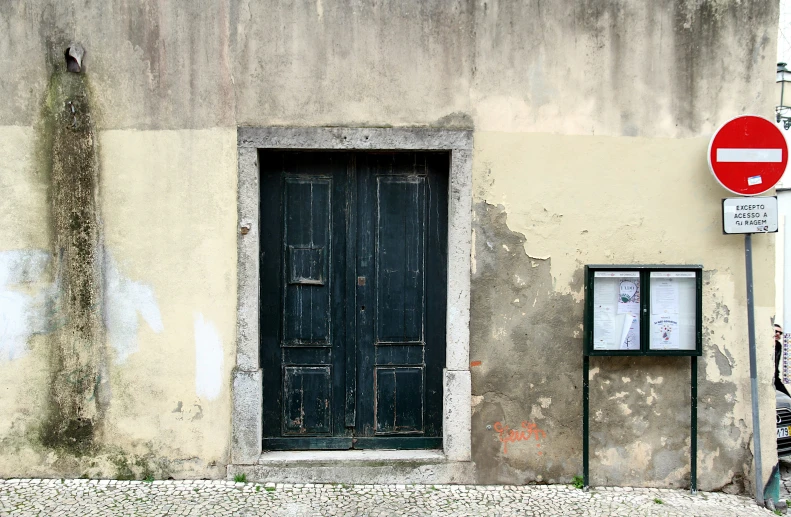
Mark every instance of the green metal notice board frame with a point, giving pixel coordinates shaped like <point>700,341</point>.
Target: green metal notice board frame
<point>624,318</point>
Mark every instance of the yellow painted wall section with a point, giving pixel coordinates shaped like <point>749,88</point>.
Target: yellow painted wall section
<point>168,199</point>
<point>168,215</point>
<point>588,199</point>
<point>26,280</point>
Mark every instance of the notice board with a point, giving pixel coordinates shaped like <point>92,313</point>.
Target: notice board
<point>643,310</point>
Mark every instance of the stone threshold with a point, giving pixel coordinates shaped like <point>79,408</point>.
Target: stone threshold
<point>357,456</point>
<point>357,467</point>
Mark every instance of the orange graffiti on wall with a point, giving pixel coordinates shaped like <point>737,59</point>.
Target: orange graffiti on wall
<point>508,435</point>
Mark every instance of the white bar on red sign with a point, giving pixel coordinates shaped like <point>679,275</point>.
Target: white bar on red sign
<point>750,155</point>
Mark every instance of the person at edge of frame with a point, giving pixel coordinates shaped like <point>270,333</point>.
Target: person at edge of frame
<point>779,386</point>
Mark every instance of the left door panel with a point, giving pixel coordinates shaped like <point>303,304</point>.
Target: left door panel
<point>303,342</point>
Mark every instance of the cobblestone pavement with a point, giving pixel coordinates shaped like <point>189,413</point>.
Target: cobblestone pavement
<point>224,498</point>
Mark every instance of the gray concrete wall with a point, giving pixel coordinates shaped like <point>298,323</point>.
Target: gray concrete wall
<point>669,68</point>
<point>591,120</point>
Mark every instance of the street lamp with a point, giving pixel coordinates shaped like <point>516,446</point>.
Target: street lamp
<point>783,112</point>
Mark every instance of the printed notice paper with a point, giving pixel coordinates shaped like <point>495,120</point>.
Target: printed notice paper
<point>629,297</point>
<point>603,323</point>
<point>630,332</point>
<point>664,331</point>
<point>664,296</point>
<point>604,291</point>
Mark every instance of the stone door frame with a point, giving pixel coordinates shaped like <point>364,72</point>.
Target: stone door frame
<point>247,389</point>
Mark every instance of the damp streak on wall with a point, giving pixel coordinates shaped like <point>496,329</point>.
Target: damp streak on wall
<point>76,405</point>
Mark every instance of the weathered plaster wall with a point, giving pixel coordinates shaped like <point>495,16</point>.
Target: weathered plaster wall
<point>173,315</point>
<point>618,67</point>
<point>591,121</point>
<point>532,239</point>
<point>169,310</point>
<point>153,64</point>
<point>26,280</point>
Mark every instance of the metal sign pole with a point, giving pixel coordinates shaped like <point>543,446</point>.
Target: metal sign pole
<point>748,263</point>
<point>785,374</point>
<point>585,418</point>
<point>693,450</point>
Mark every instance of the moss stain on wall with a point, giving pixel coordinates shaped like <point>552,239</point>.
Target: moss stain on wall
<point>76,404</point>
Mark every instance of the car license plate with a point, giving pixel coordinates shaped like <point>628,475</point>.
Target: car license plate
<point>782,432</point>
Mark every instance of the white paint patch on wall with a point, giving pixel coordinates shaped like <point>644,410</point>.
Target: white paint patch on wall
<point>22,307</point>
<point>208,359</point>
<point>24,303</point>
<point>125,298</point>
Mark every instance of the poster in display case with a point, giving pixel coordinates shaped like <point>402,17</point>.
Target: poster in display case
<point>643,310</point>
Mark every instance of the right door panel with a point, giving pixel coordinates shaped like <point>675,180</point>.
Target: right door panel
<point>402,249</point>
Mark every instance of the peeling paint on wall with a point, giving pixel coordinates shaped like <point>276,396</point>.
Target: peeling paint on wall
<point>523,325</point>
<point>208,359</point>
<point>23,300</point>
<point>26,299</point>
<point>533,360</point>
<point>125,300</point>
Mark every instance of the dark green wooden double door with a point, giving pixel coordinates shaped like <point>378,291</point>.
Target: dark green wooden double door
<point>353,296</point>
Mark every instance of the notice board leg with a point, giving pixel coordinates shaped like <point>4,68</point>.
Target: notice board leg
<point>585,415</point>
<point>693,449</point>
<point>748,263</point>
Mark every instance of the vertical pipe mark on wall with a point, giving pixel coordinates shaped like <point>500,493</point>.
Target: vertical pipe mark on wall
<point>77,356</point>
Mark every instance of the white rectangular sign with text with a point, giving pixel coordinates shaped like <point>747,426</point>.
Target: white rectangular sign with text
<point>749,215</point>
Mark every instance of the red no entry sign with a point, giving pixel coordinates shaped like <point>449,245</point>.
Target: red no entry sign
<point>748,155</point>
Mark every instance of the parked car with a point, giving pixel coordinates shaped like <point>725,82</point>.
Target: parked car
<point>783,403</point>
